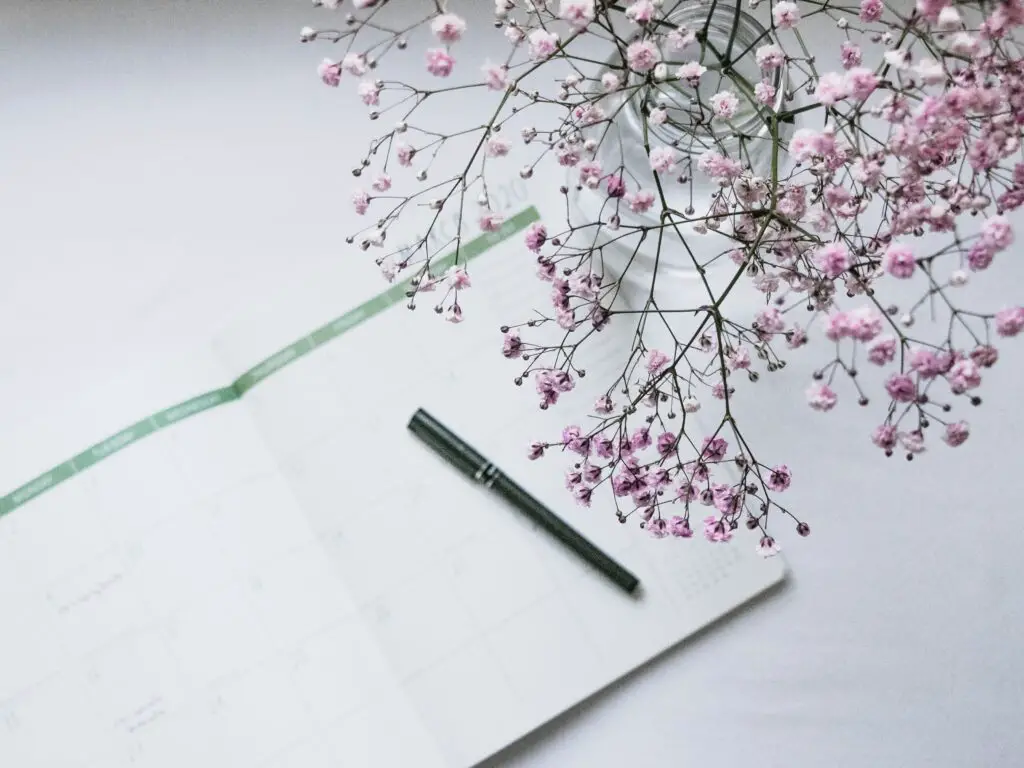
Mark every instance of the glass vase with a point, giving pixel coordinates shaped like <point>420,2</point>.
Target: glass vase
<point>690,263</point>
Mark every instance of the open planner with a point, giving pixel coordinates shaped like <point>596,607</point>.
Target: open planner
<point>264,568</point>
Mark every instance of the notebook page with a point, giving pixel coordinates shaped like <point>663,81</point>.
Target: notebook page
<point>490,626</point>
<point>169,605</point>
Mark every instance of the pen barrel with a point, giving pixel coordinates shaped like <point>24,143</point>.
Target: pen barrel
<point>570,537</point>
<point>455,451</point>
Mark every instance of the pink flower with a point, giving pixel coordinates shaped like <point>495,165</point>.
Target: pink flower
<point>542,44</point>
<point>956,434</point>
<point>498,146</point>
<point>770,57</point>
<point>640,439</point>
<point>369,93</point>
<point>656,360</point>
<point>832,259</point>
<point>360,201</point>
<point>764,92</point>
<point>535,451</point>
<point>579,13</point>
<point>821,397</point>
<point>583,494</point>
<point>458,278</point>
<point>495,76</point>
<point>511,346</point>
<point>882,351</point>
<point>831,89</point>
<point>901,388</point>
<point>850,55</point>
<point>930,8</point>
<point>779,478</point>
<point>804,144</point>
<point>861,82</point>
<point>680,37</point>
<point>739,360</point>
<point>786,14</point>
<point>640,201</point>
<point>448,27</point>
<point>666,443</point>
<point>986,356</point>
<point>1010,322</point>
<point>837,326</point>
<point>996,233</point>
<point>980,256</point>
<point>717,167</point>
<point>724,104</point>
<point>439,63</point>
<point>716,530</point>
<point>536,236</point>
<point>663,159</point>
<point>616,186</point>
<point>768,547</point>
<point>491,221</point>
<point>610,81</point>
<point>963,376</point>
<point>640,12</point>
<point>354,64</point>
<point>926,363</point>
<point>899,261</point>
<point>691,72</point>
<point>679,527</point>
<point>865,323</point>
<point>713,449</point>
<point>405,154</point>
<point>884,437</point>
<point>769,321</point>
<point>642,56</point>
<point>603,405</point>
<point>329,72</point>
<point>870,10</point>
<point>382,183</point>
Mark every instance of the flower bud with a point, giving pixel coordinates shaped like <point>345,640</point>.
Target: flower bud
<point>306,34</point>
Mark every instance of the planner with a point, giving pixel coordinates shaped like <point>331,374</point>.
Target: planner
<point>240,556</point>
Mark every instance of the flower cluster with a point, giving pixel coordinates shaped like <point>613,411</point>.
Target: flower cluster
<point>883,181</point>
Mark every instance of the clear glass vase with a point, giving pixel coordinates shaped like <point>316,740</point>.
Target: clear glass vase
<point>684,266</point>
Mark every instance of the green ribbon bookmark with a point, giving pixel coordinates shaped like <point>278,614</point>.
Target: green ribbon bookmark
<point>259,372</point>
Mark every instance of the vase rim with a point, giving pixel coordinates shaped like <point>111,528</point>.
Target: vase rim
<point>749,31</point>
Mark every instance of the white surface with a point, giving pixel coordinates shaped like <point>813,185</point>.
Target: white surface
<point>138,147</point>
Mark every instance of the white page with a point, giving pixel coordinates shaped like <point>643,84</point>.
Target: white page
<point>171,606</point>
<point>490,627</point>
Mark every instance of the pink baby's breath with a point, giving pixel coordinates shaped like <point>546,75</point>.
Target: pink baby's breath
<point>448,27</point>
<point>821,213</point>
<point>439,62</point>
<point>542,44</point>
<point>642,56</point>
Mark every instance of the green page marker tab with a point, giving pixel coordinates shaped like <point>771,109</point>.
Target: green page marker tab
<point>259,372</point>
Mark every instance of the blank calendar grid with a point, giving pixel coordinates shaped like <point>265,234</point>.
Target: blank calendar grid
<point>212,626</point>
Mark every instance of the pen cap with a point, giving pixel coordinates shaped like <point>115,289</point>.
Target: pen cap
<point>452,448</point>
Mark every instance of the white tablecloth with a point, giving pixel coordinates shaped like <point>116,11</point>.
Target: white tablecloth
<point>154,148</point>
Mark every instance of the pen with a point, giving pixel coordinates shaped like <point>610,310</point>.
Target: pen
<point>469,462</point>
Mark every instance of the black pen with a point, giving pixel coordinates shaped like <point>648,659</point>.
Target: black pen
<point>467,460</point>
